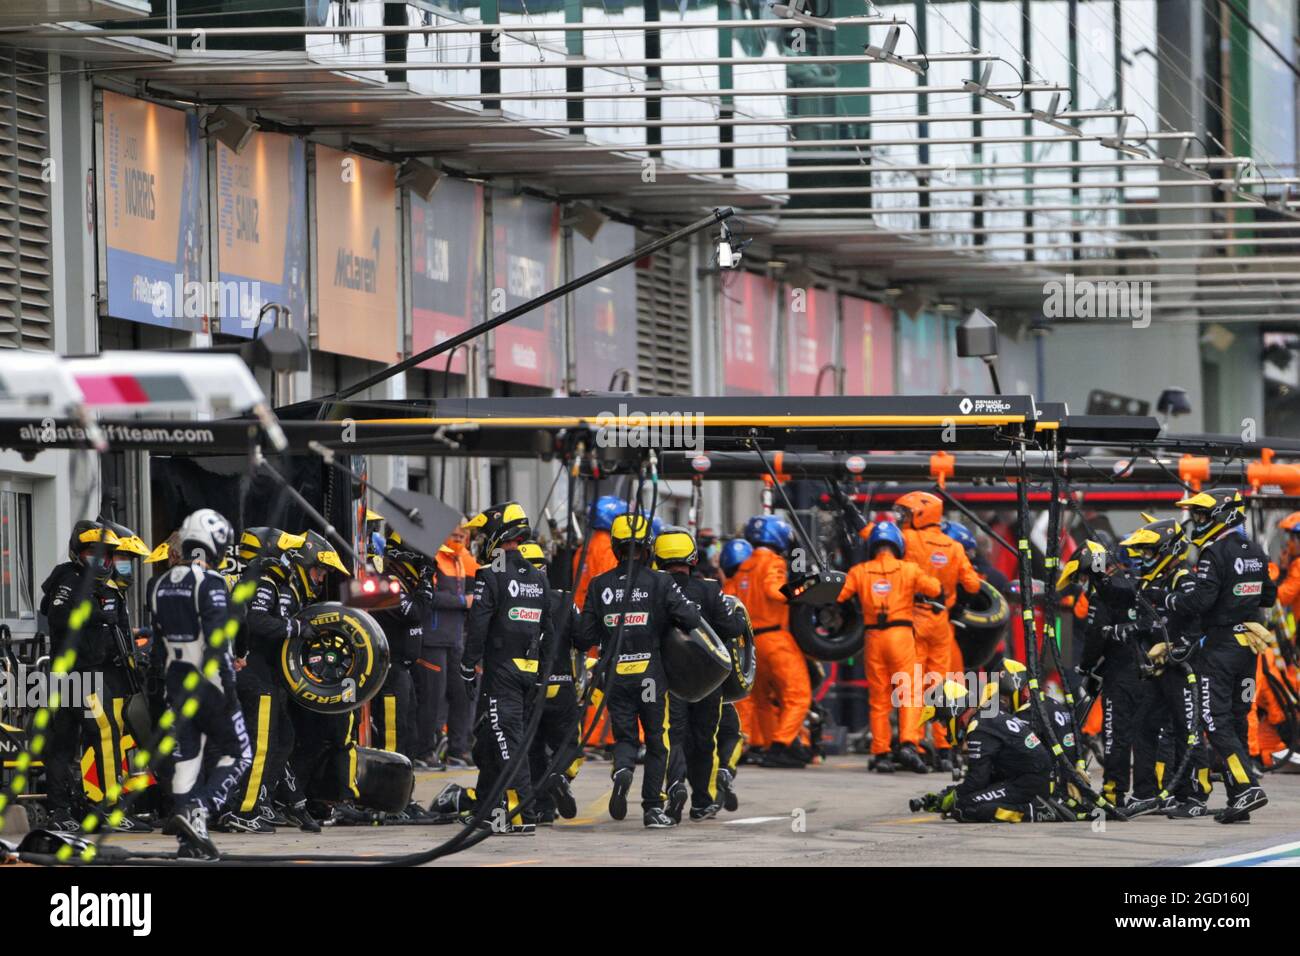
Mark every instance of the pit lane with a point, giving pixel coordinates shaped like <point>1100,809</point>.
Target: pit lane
<point>849,818</point>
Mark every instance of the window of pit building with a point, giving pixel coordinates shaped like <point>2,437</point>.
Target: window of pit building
<point>17,580</point>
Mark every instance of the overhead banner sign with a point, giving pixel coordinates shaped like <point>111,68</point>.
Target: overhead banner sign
<point>526,262</point>
<point>604,320</point>
<point>356,255</point>
<point>749,355</point>
<point>446,267</point>
<point>153,228</point>
<point>809,339</point>
<point>262,232</point>
<point>867,338</point>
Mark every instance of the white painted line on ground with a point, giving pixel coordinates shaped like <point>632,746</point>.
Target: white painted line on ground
<point>1254,858</point>
<point>749,820</point>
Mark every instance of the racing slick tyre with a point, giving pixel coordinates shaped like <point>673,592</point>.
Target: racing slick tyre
<point>744,656</point>
<point>384,780</point>
<point>340,664</point>
<point>827,632</point>
<point>981,624</point>
<point>696,662</point>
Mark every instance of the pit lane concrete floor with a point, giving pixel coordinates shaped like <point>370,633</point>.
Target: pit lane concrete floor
<point>850,818</point>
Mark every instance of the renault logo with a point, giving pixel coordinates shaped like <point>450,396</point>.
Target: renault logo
<point>965,405</point>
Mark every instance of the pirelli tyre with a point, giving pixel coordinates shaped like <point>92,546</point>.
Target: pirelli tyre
<point>744,656</point>
<point>827,632</point>
<point>341,664</point>
<point>696,662</point>
<point>981,625</point>
<point>384,780</point>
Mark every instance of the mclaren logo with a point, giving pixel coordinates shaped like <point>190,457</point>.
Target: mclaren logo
<point>530,615</point>
<point>355,270</point>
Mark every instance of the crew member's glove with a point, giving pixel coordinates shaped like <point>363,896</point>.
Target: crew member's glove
<point>468,674</point>
<point>1157,655</point>
<point>1157,596</point>
<point>1258,636</point>
<point>1118,632</point>
<point>947,799</point>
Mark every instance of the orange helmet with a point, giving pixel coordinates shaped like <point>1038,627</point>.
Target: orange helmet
<point>921,508</point>
<point>1291,523</point>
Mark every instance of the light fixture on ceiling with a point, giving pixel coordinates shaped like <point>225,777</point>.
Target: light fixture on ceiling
<point>229,128</point>
<point>794,10</point>
<point>585,219</point>
<point>980,88</point>
<point>420,176</point>
<point>1118,144</point>
<point>1179,161</point>
<point>1052,117</point>
<point>886,54</point>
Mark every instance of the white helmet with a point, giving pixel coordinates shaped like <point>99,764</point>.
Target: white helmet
<point>208,532</point>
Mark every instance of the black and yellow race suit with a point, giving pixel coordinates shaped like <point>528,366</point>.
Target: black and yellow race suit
<point>1170,724</point>
<point>693,727</point>
<point>1124,695</point>
<point>1008,766</point>
<point>395,711</point>
<point>637,687</point>
<point>83,718</point>
<point>560,730</point>
<point>509,631</point>
<point>270,619</point>
<point>1229,587</point>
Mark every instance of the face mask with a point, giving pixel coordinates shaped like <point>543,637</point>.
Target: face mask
<point>122,567</point>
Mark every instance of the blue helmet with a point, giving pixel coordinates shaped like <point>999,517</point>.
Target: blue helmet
<point>734,553</point>
<point>656,526</point>
<point>769,531</point>
<point>604,510</point>
<point>886,532</point>
<point>961,534</point>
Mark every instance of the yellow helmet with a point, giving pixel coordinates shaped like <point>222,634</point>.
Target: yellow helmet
<point>1212,511</point>
<point>315,552</point>
<point>1090,558</point>
<point>953,709</point>
<point>1156,546</point>
<point>498,525</point>
<point>676,545</point>
<point>628,530</point>
<point>267,542</point>
<point>532,552</point>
